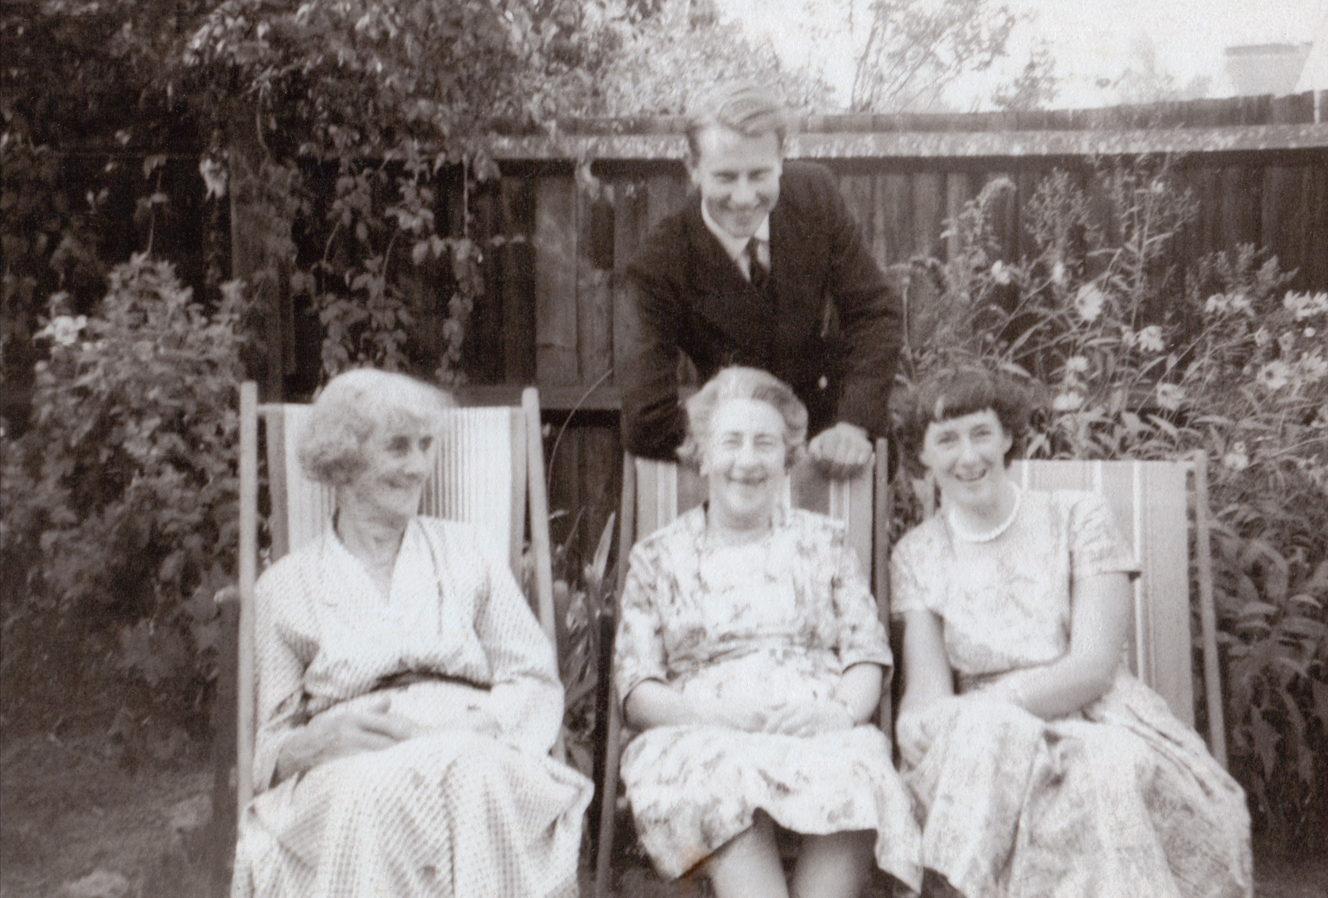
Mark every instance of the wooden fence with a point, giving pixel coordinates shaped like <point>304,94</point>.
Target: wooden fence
<point>573,207</point>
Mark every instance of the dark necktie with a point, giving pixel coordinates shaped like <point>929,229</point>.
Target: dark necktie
<point>760,276</point>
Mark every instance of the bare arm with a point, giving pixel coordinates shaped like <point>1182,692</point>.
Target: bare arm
<point>928,681</point>
<point>927,674</point>
<point>859,690</point>
<point>1098,626</point>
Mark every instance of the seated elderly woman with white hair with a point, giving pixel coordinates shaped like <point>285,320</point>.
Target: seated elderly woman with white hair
<point>408,698</point>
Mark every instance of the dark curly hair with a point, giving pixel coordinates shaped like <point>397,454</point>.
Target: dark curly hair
<point>955,392</point>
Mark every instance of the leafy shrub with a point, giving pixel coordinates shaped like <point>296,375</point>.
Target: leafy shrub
<point>120,499</point>
<point>1137,357</point>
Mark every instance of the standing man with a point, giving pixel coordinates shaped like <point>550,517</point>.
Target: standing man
<point>763,267</point>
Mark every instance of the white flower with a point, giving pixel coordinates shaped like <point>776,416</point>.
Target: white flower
<point>1088,302</point>
<point>999,273</point>
<point>1275,375</point>
<point>1150,339</point>
<point>1236,459</point>
<point>1312,367</point>
<point>1305,305</point>
<point>1221,304</point>
<point>1261,337</point>
<point>1067,402</point>
<point>214,177</point>
<point>1076,364</point>
<point>63,329</point>
<point>1309,332</point>
<point>1170,396</point>
<point>1058,273</point>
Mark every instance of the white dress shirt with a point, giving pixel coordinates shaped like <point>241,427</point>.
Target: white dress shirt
<point>736,247</point>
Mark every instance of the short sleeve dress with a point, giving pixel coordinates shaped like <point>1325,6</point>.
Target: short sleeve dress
<point>447,813</point>
<point>1119,799</point>
<point>755,626</point>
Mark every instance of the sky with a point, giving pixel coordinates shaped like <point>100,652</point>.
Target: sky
<point>1089,40</point>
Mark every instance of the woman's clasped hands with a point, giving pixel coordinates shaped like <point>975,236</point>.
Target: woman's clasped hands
<point>329,737</point>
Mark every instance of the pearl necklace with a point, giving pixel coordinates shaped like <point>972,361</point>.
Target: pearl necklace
<point>987,536</point>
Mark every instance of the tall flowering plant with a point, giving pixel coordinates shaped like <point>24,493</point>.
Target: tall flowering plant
<point>1139,356</point>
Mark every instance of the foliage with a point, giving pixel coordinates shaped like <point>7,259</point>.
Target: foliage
<point>82,104</point>
<point>1035,87</point>
<point>1139,358</point>
<point>915,48</point>
<point>663,63</point>
<point>120,499</point>
<point>586,602</point>
<point>376,119</point>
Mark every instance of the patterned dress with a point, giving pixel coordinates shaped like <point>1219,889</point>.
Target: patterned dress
<point>448,813</point>
<point>755,626</point>
<point>1118,799</point>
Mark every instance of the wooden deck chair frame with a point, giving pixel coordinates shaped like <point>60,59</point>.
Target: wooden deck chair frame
<point>1153,503</point>
<point>491,473</point>
<point>655,493</point>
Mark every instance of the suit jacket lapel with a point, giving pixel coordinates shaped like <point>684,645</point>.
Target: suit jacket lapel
<point>726,300</point>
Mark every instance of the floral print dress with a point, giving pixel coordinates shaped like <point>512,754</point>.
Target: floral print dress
<point>1118,800</point>
<point>755,626</point>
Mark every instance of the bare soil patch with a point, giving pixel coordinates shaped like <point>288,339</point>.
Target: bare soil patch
<point>77,805</point>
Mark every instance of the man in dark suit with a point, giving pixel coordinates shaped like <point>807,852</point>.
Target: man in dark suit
<point>763,267</point>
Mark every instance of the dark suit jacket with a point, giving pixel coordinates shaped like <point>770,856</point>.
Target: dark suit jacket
<point>831,326</point>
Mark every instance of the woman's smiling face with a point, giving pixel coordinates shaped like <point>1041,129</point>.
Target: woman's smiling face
<point>398,460</point>
<point>744,462</point>
<point>967,456</point>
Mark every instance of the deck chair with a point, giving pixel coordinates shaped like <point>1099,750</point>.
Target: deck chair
<point>656,492</point>
<point>1152,502</point>
<point>492,475</point>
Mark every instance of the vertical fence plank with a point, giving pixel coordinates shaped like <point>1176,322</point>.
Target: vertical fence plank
<point>928,209</point>
<point>599,452</point>
<point>594,291</point>
<point>630,217</point>
<point>896,202</point>
<point>555,280</point>
<point>860,199</point>
<point>1239,221</point>
<point>665,194</point>
<point>1208,229</point>
<point>957,193</point>
<point>879,245</point>
<point>516,274</point>
<point>1314,268</point>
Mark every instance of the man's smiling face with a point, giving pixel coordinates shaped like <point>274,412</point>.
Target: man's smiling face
<point>738,177</point>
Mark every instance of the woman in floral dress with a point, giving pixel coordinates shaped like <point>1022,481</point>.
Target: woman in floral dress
<point>407,697</point>
<point>750,654</point>
<point>1040,765</point>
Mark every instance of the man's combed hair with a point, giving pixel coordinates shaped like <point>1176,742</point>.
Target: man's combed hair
<point>748,108</point>
<point>352,408</point>
<point>743,383</point>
